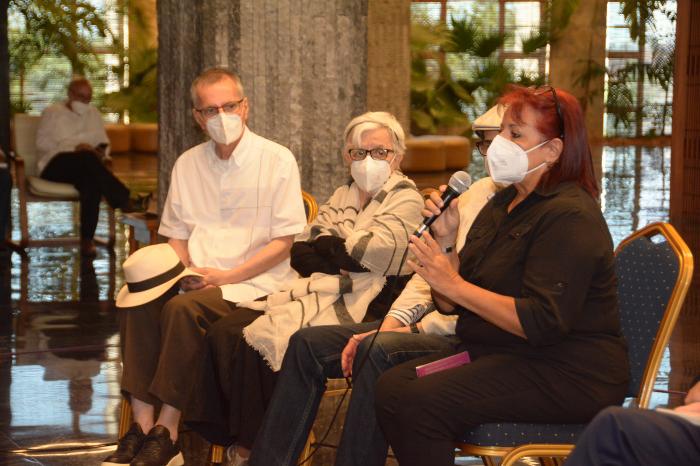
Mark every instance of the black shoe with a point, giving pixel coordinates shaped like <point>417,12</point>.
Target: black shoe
<point>137,204</point>
<point>158,450</point>
<point>127,448</point>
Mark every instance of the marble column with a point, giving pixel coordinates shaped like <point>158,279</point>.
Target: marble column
<point>580,49</point>
<point>307,67</point>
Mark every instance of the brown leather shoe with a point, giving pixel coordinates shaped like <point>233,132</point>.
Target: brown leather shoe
<point>87,248</point>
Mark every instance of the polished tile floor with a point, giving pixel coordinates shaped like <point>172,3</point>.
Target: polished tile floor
<point>59,344</point>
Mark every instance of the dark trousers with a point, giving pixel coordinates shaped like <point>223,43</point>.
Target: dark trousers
<point>92,180</point>
<point>632,437</point>
<point>312,357</point>
<point>233,384</point>
<point>422,417</point>
<point>163,341</point>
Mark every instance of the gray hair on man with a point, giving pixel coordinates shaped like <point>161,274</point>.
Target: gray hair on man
<point>211,76</point>
<point>373,120</point>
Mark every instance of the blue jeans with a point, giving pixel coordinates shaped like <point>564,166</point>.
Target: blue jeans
<point>312,357</point>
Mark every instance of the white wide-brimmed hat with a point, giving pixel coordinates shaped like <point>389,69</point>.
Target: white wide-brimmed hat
<point>491,120</point>
<point>150,272</point>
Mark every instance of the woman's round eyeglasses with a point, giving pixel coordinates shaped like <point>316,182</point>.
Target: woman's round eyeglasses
<point>378,153</point>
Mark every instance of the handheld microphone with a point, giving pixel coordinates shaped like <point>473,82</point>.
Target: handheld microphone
<point>459,182</point>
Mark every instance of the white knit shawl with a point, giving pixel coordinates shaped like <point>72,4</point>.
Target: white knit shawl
<point>376,237</point>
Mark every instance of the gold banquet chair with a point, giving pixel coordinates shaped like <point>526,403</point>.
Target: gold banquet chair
<point>32,188</point>
<point>216,452</point>
<point>654,267</point>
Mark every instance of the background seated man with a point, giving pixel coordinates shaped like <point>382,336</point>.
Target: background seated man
<point>233,208</point>
<point>71,142</point>
<point>639,437</point>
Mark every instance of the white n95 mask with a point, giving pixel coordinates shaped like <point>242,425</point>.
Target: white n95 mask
<point>507,161</point>
<point>370,174</point>
<point>224,128</point>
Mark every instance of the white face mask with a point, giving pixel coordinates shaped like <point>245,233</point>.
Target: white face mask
<point>370,174</point>
<point>507,161</point>
<point>79,107</point>
<point>224,128</point>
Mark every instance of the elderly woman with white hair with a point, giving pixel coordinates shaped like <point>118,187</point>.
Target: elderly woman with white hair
<point>350,267</point>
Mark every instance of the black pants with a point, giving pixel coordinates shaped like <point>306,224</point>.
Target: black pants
<point>423,417</point>
<point>634,437</point>
<point>92,180</point>
<point>233,385</point>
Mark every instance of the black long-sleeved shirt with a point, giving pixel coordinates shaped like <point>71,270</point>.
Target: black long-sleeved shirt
<point>553,253</point>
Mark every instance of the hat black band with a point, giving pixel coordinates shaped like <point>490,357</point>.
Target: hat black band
<point>152,282</point>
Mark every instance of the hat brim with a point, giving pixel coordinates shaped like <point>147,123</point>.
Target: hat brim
<point>127,299</point>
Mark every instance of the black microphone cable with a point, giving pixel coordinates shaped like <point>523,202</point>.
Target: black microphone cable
<point>459,183</point>
<point>320,443</point>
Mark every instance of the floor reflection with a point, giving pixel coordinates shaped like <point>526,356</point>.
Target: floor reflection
<point>59,344</point>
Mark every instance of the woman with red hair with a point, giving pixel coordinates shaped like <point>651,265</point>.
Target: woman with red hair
<point>534,288</point>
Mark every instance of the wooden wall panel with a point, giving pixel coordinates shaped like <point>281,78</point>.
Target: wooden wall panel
<point>685,185</point>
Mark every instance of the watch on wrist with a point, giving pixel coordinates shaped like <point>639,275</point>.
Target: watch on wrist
<point>448,249</point>
<point>414,328</point>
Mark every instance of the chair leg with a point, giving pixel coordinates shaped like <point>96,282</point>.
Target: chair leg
<point>307,449</point>
<point>216,454</point>
<point>23,219</point>
<point>112,238</point>
<point>124,417</point>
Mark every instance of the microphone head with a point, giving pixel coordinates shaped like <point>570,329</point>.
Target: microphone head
<point>460,181</point>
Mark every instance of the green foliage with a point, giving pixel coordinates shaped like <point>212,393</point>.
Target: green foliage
<point>621,102</point>
<point>440,101</point>
<point>638,13</point>
<point>65,27</point>
<point>140,98</point>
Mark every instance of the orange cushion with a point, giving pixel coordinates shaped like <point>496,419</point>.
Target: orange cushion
<point>119,138</point>
<point>144,137</point>
<point>424,154</point>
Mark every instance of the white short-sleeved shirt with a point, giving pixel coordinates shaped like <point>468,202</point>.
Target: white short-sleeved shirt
<point>230,209</point>
<point>61,129</point>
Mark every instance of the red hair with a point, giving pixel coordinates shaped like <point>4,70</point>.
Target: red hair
<point>575,162</point>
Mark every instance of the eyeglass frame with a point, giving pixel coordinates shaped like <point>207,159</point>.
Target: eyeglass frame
<point>369,151</point>
<point>481,142</point>
<point>218,109</point>
<point>541,90</point>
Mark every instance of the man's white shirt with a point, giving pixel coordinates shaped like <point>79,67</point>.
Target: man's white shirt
<point>228,210</point>
<point>61,129</point>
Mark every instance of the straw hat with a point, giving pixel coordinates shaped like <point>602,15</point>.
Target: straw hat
<point>150,272</point>
<point>491,120</point>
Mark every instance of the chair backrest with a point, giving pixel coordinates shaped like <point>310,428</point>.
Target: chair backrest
<point>25,127</point>
<point>310,206</point>
<point>654,267</point>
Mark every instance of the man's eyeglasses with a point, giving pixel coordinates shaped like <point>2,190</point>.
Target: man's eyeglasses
<point>229,108</point>
<point>483,146</point>
<point>378,153</point>
<point>544,89</point>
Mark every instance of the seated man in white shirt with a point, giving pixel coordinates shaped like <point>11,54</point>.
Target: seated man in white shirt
<point>233,208</point>
<point>71,142</point>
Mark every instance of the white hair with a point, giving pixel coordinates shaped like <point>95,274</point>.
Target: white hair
<point>372,120</point>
